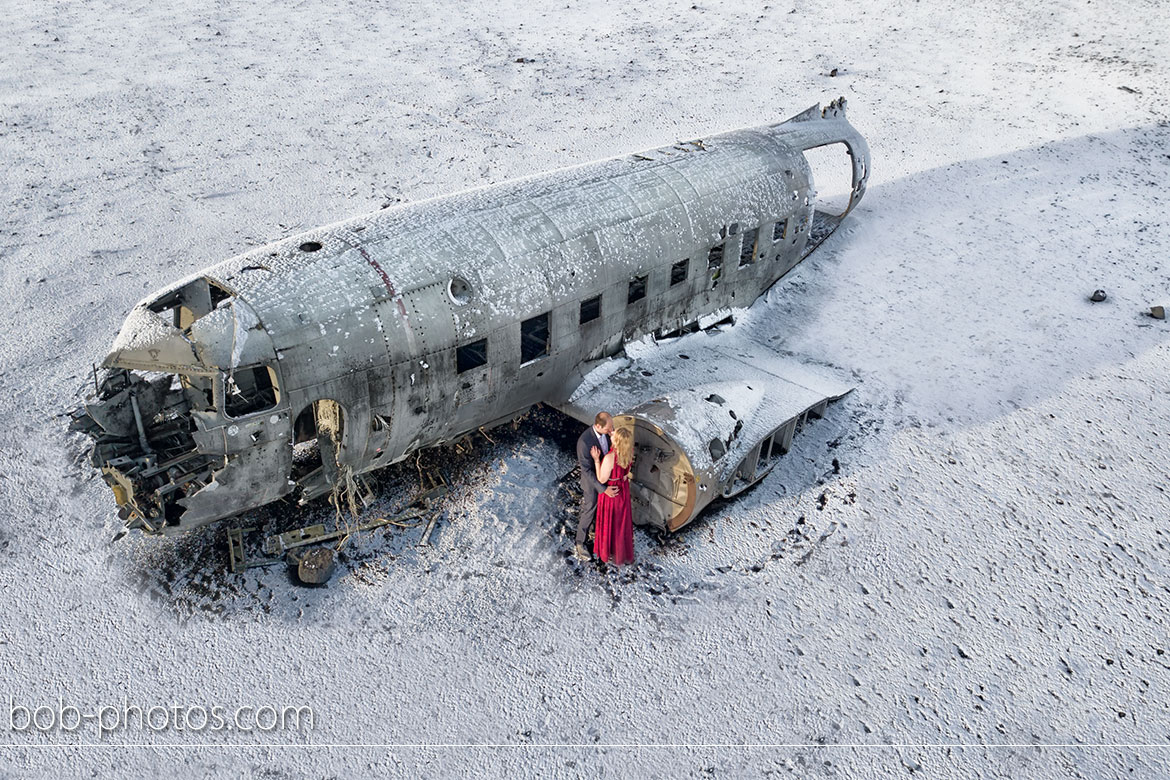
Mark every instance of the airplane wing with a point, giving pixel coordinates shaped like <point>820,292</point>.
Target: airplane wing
<point>711,413</point>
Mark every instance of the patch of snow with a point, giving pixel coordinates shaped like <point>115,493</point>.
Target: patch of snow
<point>970,548</point>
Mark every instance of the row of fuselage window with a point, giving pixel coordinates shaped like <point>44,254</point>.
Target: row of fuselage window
<point>534,332</point>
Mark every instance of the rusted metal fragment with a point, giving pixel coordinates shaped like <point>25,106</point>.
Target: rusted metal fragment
<point>238,559</point>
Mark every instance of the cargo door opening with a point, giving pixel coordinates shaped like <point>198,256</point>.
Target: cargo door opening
<point>318,433</point>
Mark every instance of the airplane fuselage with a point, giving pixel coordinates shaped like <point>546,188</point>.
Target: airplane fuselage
<point>384,334</point>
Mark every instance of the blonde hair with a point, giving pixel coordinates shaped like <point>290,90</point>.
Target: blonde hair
<point>623,445</point>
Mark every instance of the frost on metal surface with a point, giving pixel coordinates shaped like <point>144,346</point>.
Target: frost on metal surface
<point>301,363</point>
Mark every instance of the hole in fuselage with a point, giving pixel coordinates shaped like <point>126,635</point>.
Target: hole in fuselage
<point>832,176</point>
<point>460,291</point>
<point>317,435</point>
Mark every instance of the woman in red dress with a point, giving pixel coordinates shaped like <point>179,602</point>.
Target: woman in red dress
<point>614,532</point>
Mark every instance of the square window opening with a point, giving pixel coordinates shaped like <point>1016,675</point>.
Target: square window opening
<point>590,309</point>
<point>471,356</point>
<point>747,251</point>
<point>637,290</point>
<point>678,271</point>
<point>715,256</point>
<point>250,390</point>
<point>534,338</point>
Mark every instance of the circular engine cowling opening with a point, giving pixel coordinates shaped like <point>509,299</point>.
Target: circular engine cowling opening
<point>663,490</point>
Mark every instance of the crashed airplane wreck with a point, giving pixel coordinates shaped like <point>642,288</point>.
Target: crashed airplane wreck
<point>296,367</point>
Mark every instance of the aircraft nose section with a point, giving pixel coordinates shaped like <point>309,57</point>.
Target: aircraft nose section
<point>147,342</point>
<point>225,338</point>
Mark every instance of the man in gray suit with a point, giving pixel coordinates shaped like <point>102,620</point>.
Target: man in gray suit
<point>595,436</point>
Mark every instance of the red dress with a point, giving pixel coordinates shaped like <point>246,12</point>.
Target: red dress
<point>613,538</point>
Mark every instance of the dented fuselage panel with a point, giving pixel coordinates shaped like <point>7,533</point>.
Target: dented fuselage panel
<point>299,364</point>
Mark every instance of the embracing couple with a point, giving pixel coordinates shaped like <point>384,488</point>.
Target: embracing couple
<point>606,456</point>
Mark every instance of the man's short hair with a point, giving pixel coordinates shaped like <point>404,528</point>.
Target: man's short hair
<point>602,419</point>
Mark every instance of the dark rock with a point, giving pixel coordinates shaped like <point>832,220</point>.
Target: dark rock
<point>316,566</point>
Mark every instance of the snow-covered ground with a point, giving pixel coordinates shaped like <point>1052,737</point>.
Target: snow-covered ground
<point>966,557</point>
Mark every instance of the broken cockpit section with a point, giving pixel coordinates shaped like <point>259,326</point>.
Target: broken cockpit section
<point>188,419</point>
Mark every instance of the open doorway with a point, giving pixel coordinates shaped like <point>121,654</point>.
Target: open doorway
<point>318,433</point>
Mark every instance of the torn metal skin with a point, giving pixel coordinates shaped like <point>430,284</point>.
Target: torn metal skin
<point>300,365</point>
